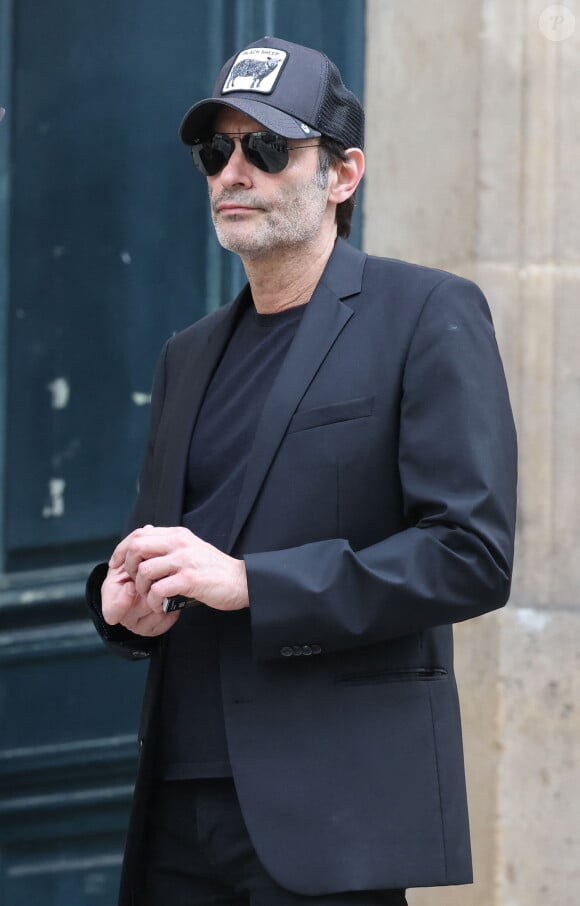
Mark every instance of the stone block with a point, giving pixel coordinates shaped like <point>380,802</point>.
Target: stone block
<point>548,568</point>
<point>500,138</point>
<point>421,145</point>
<point>539,768</point>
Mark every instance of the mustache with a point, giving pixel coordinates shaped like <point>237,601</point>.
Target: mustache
<point>238,198</point>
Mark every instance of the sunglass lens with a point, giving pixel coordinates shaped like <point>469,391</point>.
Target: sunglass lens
<point>266,150</point>
<point>212,155</point>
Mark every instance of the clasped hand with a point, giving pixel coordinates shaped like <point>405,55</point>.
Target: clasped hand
<point>153,563</point>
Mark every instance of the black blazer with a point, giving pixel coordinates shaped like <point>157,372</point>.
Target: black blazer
<point>378,508</point>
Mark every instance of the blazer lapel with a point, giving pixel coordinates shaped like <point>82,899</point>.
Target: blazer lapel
<point>324,318</point>
<point>184,406</point>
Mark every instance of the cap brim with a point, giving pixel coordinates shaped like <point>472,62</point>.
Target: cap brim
<point>198,121</point>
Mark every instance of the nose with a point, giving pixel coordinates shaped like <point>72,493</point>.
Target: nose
<point>237,171</point>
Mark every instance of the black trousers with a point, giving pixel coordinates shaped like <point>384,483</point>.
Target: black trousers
<point>200,854</point>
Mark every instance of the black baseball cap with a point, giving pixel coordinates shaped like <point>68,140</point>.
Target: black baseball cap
<point>287,88</point>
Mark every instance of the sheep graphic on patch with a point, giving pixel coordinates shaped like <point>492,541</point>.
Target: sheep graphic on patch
<point>261,66</point>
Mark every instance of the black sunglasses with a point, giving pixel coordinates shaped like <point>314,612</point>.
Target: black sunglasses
<point>265,150</point>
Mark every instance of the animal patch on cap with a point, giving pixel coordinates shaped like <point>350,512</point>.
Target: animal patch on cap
<point>255,69</point>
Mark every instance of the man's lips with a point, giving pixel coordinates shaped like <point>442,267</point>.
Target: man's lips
<point>229,207</point>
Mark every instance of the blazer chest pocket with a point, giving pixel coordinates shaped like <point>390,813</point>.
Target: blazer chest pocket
<point>343,411</point>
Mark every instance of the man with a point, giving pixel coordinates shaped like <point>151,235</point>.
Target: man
<point>330,475</point>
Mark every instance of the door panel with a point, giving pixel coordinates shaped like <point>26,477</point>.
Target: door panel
<point>110,251</point>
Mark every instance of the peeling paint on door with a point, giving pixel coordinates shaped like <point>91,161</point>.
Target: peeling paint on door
<point>141,399</point>
<point>55,508</point>
<point>60,392</point>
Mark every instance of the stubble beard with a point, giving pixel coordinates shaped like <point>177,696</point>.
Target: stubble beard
<point>291,220</point>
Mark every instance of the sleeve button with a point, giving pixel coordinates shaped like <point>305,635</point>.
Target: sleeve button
<point>286,651</point>
<point>306,649</point>
<point>316,649</point>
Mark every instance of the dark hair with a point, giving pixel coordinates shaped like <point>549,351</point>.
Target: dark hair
<point>329,152</point>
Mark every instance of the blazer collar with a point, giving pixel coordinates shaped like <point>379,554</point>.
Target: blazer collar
<point>324,318</point>
<point>343,272</point>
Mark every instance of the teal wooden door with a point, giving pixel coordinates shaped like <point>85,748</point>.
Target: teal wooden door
<point>106,249</point>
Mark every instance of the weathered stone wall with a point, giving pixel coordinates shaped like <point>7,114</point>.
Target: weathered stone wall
<point>473,164</point>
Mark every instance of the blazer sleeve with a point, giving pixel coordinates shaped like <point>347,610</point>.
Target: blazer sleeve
<point>457,467</point>
<point>118,639</point>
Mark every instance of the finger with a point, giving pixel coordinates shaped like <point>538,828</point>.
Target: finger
<point>139,610</point>
<point>132,562</point>
<point>117,597</point>
<point>153,570</point>
<point>118,556</point>
<point>178,583</point>
<point>131,553</point>
<point>152,624</point>
<point>143,548</point>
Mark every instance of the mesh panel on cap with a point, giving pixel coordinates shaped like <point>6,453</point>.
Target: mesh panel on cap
<point>340,115</point>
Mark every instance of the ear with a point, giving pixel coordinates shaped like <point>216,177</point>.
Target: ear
<point>345,175</point>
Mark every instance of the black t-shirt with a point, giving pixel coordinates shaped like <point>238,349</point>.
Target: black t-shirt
<point>193,741</point>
